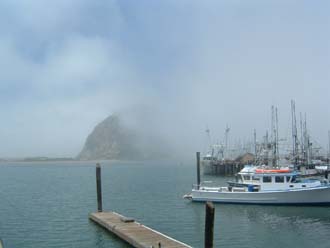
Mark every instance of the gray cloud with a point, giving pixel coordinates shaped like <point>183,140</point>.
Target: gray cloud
<point>181,65</point>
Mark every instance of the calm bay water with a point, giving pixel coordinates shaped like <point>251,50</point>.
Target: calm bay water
<point>47,205</point>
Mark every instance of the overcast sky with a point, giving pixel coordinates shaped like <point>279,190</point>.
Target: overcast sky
<point>68,64</point>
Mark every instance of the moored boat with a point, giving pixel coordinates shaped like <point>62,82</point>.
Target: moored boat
<point>275,186</point>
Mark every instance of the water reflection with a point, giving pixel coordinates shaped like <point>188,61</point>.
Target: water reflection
<point>271,226</point>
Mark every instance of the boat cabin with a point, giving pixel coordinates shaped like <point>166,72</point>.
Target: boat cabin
<point>273,180</point>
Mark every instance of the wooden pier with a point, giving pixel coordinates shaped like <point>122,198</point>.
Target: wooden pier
<point>133,232</point>
<point>224,168</point>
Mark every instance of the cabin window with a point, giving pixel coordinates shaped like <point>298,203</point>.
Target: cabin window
<point>288,179</point>
<point>267,179</point>
<point>255,178</point>
<point>279,179</point>
<point>246,177</point>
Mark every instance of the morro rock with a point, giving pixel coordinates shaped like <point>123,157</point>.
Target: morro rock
<point>110,140</point>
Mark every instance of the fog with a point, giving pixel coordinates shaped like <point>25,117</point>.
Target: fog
<point>172,68</point>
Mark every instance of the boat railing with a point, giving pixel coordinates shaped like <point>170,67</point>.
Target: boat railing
<point>203,187</point>
<point>195,186</point>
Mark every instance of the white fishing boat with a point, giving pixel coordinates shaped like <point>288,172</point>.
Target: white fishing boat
<point>275,186</point>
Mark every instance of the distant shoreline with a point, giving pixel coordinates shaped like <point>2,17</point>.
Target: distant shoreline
<point>73,160</point>
<point>38,159</point>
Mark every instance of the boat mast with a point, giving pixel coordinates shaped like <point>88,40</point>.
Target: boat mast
<point>329,146</point>
<point>226,140</point>
<point>208,136</point>
<point>255,146</point>
<point>276,141</point>
<point>294,133</point>
<point>307,143</point>
<point>274,136</point>
<point>267,148</point>
<point>302,140</point>
<point>272,127</point>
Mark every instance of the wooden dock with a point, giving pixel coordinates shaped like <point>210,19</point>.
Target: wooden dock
<point>133,232</point>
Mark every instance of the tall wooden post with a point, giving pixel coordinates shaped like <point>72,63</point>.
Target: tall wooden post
<point>99,187</point>
<point>209,225</point>
<point>198,169</point>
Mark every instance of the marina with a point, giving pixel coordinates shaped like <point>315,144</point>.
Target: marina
<point>299,151</point>
<point>264,185</point>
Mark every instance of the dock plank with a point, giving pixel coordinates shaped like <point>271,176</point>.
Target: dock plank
<point>134,233</point>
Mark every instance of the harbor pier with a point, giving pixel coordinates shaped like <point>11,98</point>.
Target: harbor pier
<point>222,168</point>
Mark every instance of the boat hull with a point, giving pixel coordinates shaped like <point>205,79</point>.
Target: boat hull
<point>311,196</point>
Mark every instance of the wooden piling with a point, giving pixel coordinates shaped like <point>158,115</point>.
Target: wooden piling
<point>198,169</point>
<point>99,187</point>
<point>209,225</point>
